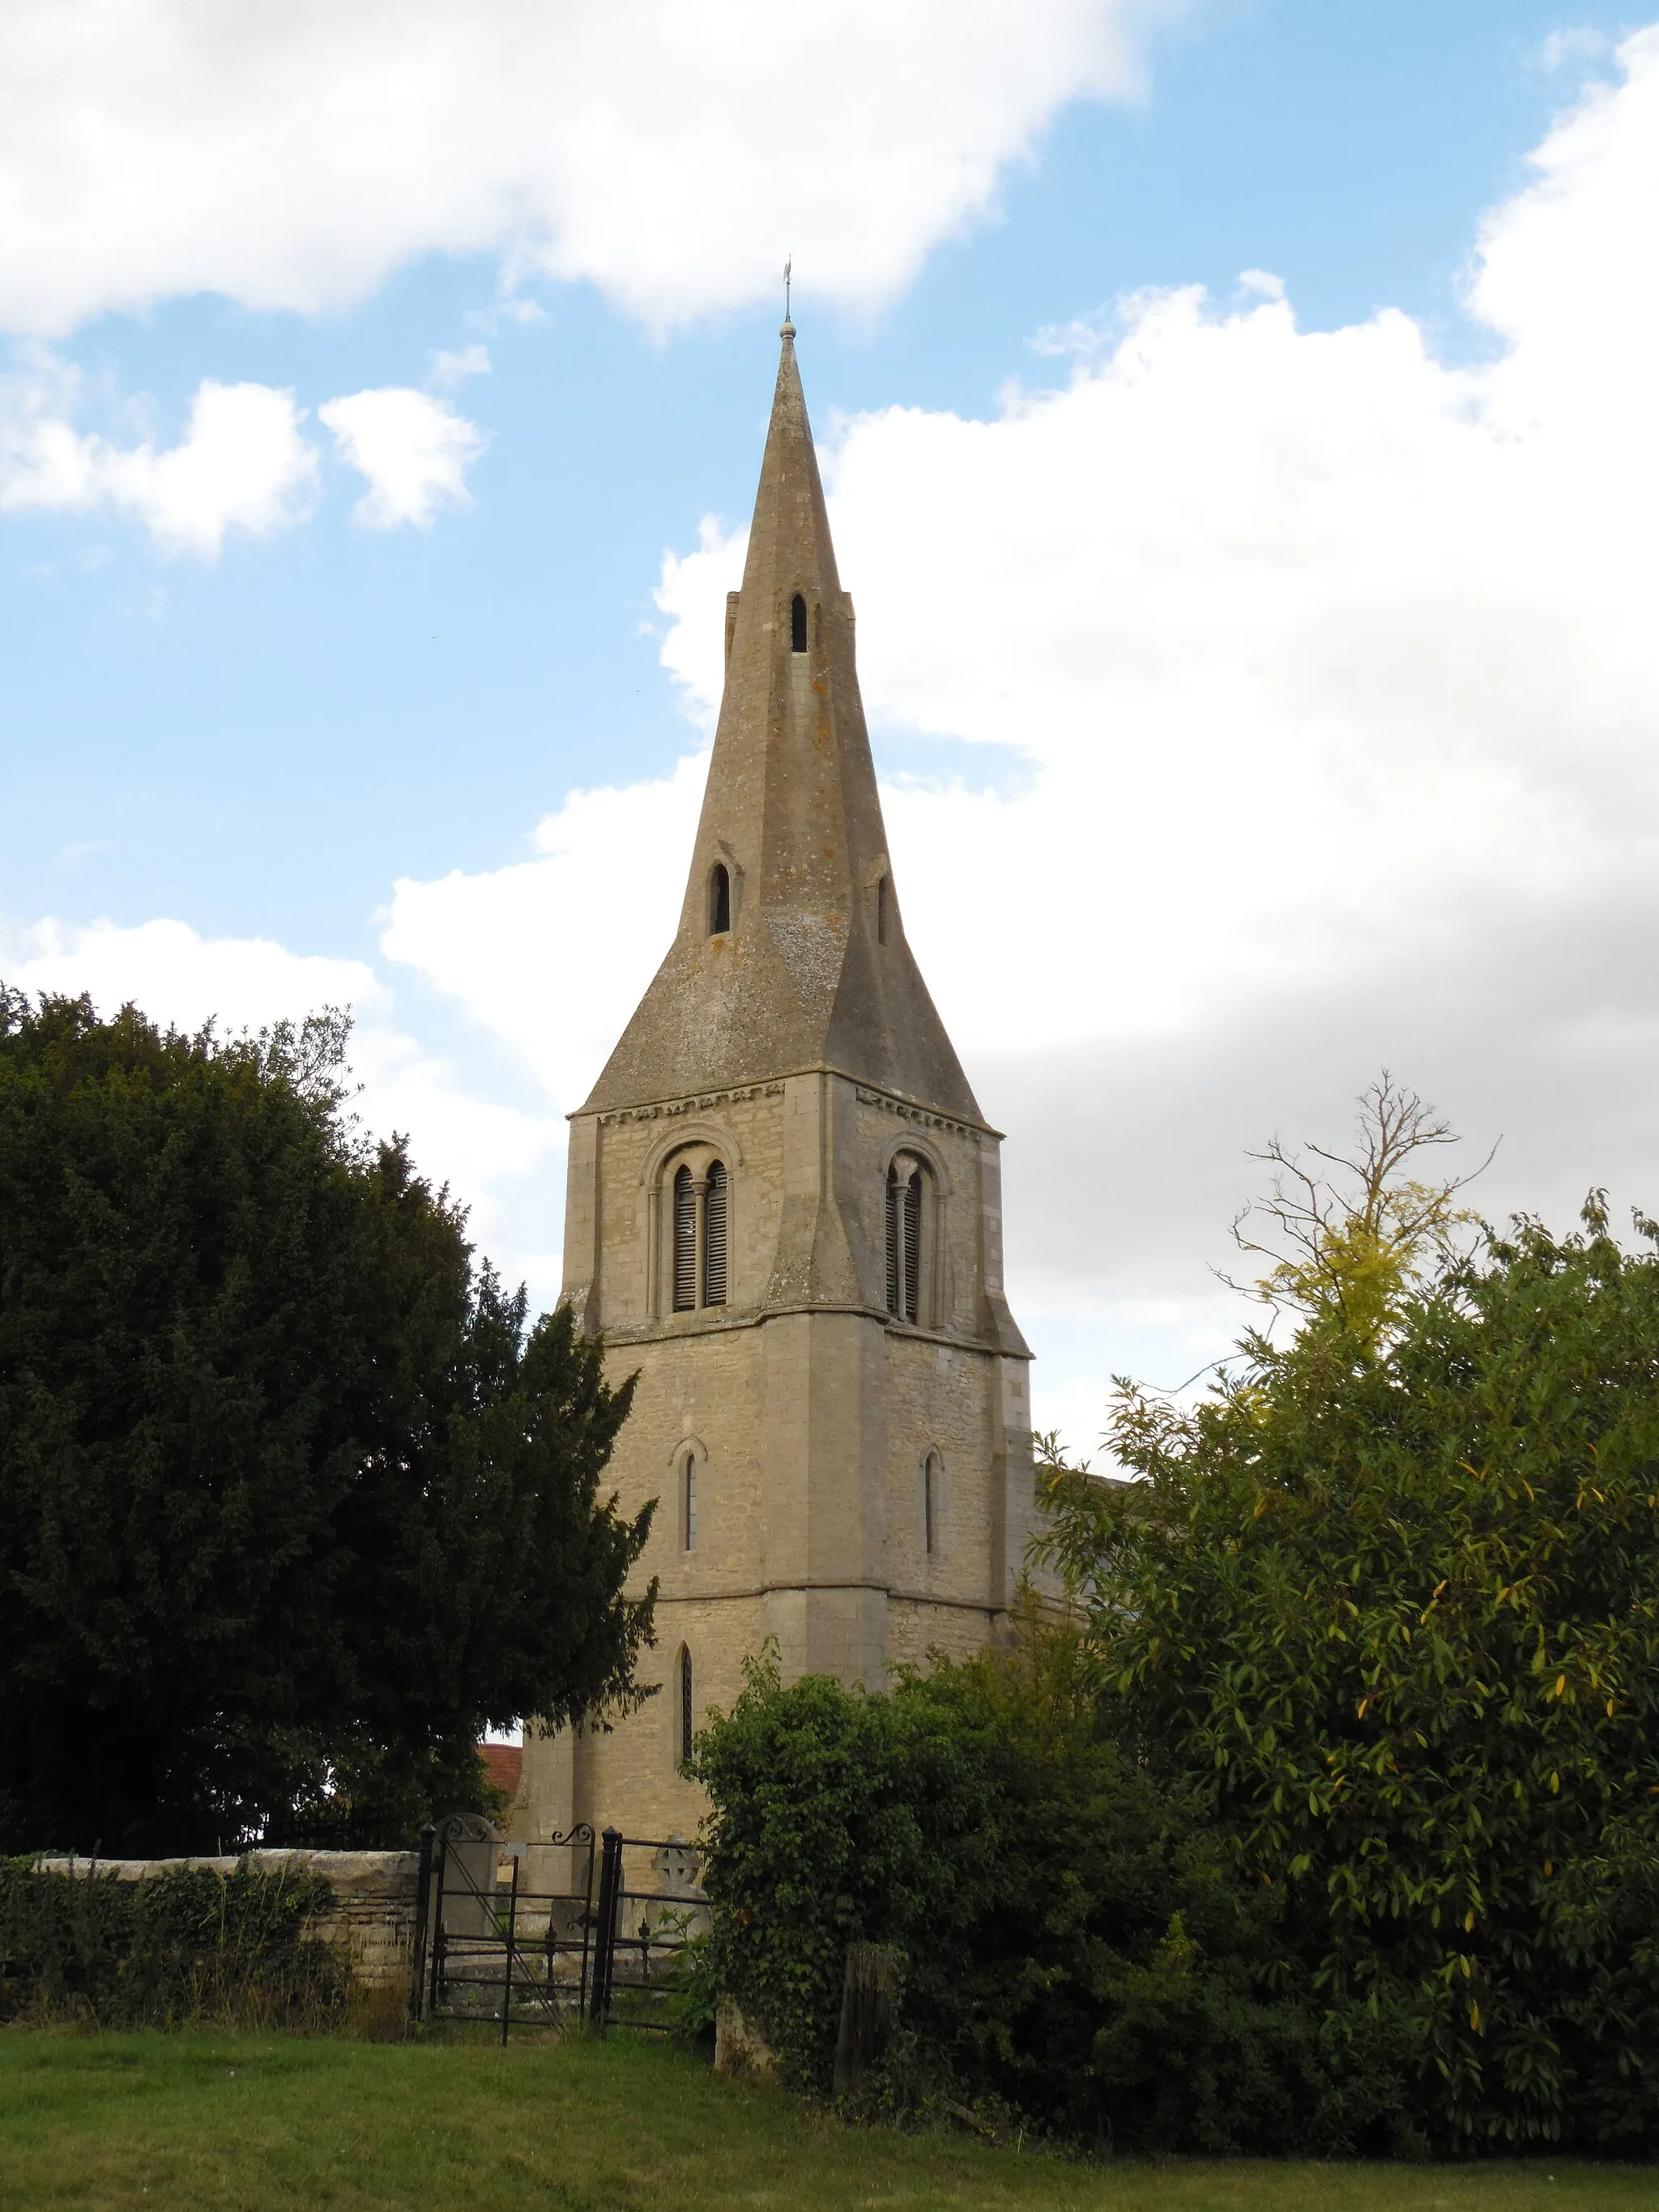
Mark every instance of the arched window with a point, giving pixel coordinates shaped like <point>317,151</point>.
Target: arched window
<point>720,901</point>
<point>685,1243</point>
<point>689,1505</point>
<point>713,1237</point>
<point>905,1192</point>
<point>700,1213</point>
<point>686,1729</point>
<point>798,624</point>
<point>931,1472</point>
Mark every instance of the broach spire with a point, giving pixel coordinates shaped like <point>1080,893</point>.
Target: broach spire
<point>791,952</point>
<point>783,1218</point>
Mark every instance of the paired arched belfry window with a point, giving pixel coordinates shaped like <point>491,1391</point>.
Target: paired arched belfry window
<point>720,900</point>
<point>907,1200</point>
<point>798,624</point>
<point>700,1217</point>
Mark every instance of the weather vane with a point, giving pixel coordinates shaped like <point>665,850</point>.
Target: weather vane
<point>788,268</point>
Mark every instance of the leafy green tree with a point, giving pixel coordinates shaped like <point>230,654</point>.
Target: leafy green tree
<point>1074,1943</point>
<point>291,1503</point>
<point>1390,1597</point>
<point>1323,1816</point>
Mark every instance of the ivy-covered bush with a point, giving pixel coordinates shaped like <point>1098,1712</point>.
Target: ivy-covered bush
<point>191,1944</point>
<point>840,1818</point>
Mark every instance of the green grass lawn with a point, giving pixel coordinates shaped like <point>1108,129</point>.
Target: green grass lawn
<point>252,2123</point>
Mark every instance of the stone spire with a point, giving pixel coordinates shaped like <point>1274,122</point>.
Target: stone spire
<point>812,969</point>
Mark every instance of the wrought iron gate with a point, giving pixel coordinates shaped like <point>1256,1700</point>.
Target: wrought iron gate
<point>651,1910</point>
<point>540,1948</point>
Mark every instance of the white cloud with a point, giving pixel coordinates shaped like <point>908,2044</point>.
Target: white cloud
<point>449,369</point>
<point>552,953</point>
<point>672,151</point>
<point>1339,675</point>
<point>241,463</point>
<point>176,976</point>
<point>497,1159</point>
<point>1573,48</point>
<point>414,450</point>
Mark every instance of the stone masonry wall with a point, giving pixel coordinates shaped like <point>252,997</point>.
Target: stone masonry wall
<point>372,1919</point>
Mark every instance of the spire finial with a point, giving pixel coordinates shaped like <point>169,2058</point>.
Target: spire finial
<point>788,330</point>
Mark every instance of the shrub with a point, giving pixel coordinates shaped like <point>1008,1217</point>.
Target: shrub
<point>838,1818</point>
<point>1072,1944</point>
<point>188,1945</point>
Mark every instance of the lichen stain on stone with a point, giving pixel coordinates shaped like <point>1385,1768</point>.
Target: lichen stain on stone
<point>808,948</point>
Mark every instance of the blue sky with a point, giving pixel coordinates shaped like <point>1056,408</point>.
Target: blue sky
<point>259,744</point>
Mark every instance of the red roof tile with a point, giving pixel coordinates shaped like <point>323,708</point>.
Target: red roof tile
<point>503,1764</point>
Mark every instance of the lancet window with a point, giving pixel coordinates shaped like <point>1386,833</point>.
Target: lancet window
<point>798,624</point>
<point>686,1727</point>
<point>906,1204</point>
<point>720,900</point>
<point>688,1502</point>
<point>933,1475</point>
<point>698,1238</point>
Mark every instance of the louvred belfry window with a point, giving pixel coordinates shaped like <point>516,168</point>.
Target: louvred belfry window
<point>904,1203</point>
<point>713,1238</point>
<point>685,1243</point>
<point>913,1246</point>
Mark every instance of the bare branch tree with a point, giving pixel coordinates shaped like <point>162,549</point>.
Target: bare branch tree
<point>1351,1231</point>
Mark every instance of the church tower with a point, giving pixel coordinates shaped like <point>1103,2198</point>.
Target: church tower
<point>785,1213</point>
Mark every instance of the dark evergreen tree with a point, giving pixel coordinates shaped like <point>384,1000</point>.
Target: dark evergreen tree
<point>291,1503</point>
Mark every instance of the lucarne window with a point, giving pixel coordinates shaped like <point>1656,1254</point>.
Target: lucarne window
<point>720,900</point>
<point>798,624</point>
<point>904,1198</point>
<point>699,1241</point>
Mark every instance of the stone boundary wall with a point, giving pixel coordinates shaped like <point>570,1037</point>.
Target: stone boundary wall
<point>372,1919</point>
